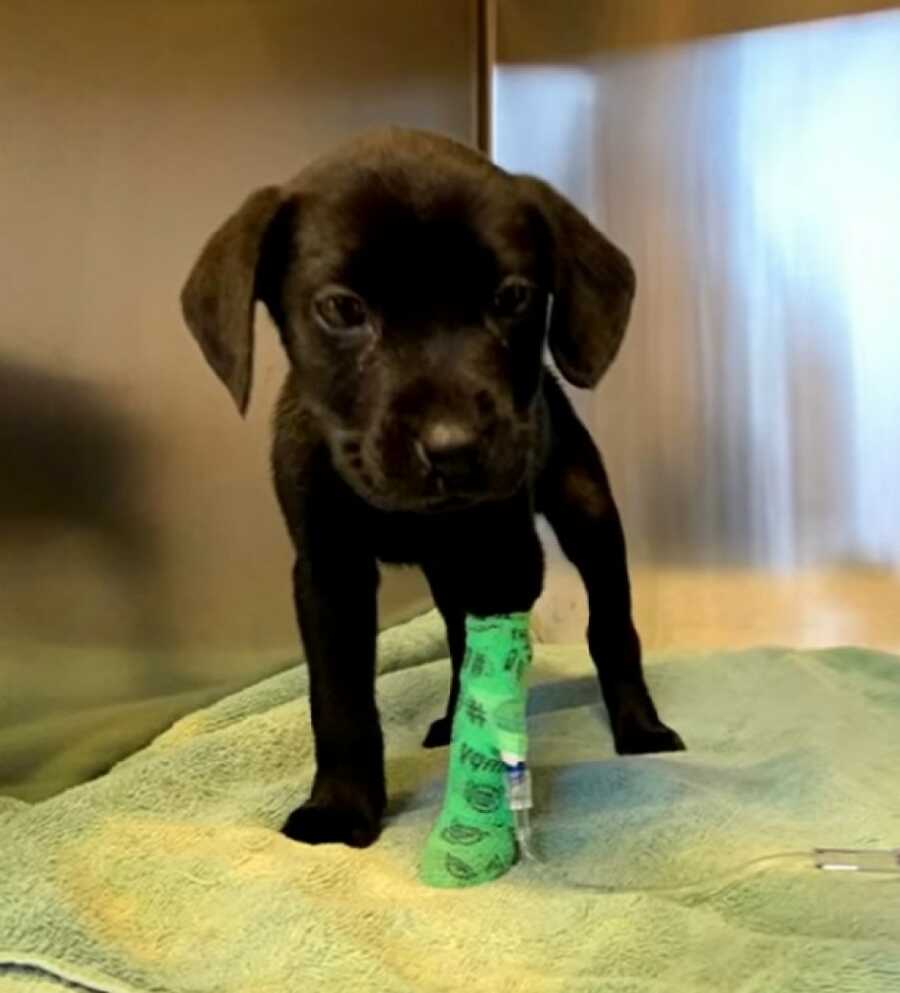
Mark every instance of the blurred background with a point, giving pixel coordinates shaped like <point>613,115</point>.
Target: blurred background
<point>746,159</point>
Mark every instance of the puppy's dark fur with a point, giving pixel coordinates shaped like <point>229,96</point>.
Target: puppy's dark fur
<point>411,282</point>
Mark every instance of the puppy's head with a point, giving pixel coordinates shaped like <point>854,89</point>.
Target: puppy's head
<point>414,285</point>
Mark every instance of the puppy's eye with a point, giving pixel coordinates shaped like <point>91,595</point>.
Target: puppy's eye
<point>340,310</point>
<point>513,298</point>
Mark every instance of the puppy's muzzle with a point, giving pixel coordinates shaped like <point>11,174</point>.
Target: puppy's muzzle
<point>450,451</point>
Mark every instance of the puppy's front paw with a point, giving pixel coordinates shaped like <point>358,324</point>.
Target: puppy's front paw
<point>646,739</point>
<point>314,824</point>
<point>439,733</point>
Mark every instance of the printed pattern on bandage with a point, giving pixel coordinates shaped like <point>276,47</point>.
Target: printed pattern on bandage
<point>473,840</point>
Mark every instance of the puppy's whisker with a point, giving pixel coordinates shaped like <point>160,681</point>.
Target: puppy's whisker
<point>422,455</point>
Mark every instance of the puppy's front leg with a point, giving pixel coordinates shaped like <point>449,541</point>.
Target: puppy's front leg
<point>335,585</point>
<point>575,497</point>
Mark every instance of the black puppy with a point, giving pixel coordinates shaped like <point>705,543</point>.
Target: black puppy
<point>415,285</point>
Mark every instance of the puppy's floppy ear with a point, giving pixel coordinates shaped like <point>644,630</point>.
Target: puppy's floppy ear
<point>219,295</point>
<point>595,287</point>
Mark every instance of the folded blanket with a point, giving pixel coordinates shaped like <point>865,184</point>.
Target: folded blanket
<point>169,874</point>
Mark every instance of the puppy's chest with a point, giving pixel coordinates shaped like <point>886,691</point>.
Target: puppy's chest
<point>415,539</point>
<point>404,539</point>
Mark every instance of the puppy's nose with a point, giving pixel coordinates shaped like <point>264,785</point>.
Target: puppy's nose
<point>450,449</point>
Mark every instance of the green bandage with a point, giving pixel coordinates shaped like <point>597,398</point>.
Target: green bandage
<point>474,840</point>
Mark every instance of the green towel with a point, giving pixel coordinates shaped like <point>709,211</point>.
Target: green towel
<point>168,874</point>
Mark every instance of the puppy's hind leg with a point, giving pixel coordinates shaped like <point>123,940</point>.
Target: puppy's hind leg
<point>451,609</point>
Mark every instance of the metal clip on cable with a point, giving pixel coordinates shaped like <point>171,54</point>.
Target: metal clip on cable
<point>857,859</point>
<point>518,791</point>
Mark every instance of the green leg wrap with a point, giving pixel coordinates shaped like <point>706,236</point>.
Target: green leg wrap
<point>473,840</point>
